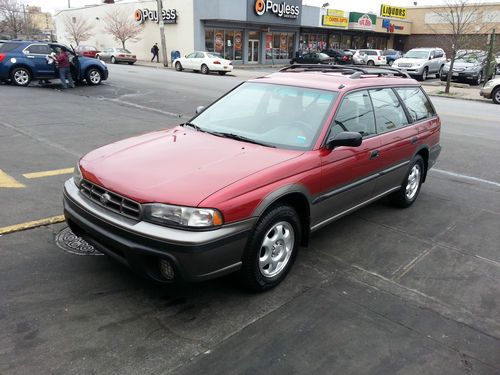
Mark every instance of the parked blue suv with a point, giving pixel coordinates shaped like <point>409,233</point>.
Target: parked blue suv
<point>23,61</point>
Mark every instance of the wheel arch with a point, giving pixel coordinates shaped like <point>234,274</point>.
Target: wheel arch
<point>22,65</point>
<point>295,196</point>
<point>424,153</point>
<point>87,68</point>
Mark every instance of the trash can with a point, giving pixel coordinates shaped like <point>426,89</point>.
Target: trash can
<point>174,55</point>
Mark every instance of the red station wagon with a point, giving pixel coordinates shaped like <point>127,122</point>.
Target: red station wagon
<point>244,183</point>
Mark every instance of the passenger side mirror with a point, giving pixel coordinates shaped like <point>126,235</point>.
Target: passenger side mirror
<point>199,109</point>
<point>350,139</point>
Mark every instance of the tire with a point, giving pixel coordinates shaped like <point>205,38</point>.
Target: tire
<point>280,225</point>
<point>442,78</point>
<point>204,69</point>
<point>495,95</point>
<point>97,57</point>
<point>438,74</point>
<point>131,63</point>
<point>222,73</point>
<point>113,60</point>
<point>93,76</point>
<point>178,66</point>
<point>391,62</point>
<point>479,79</point>
<point>424,75</point>
<point>20,76</point>
<point>370,63</point>
<point>412,182</point>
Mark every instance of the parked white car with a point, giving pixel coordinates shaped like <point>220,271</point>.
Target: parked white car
<point>374,57</point>
<point>204,62</point>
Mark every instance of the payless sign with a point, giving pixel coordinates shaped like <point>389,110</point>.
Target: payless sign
<point>143,15</point>
<point>274,11</point>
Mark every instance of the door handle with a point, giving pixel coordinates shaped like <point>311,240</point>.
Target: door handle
<point>375,154</point>
<point>31,57</point>
<point>414,140</point>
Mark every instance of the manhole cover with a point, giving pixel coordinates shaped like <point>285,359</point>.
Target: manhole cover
<point>73,244</point>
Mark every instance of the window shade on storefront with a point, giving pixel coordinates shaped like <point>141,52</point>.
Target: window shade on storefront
<point>279,46</point>
<point>227,42</point>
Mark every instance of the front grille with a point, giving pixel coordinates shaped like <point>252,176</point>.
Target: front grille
<point>404,65</point>
<point>110,200</point>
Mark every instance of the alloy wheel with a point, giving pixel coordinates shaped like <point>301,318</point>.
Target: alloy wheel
<point>95,77</point>
<point>21,77</point>
<point>413,182</point>
<point>276,249</point>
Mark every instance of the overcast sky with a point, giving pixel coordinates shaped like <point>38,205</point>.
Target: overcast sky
<point>354,5</point>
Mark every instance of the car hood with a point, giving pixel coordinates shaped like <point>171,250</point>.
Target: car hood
<point>407,60</point>
<point>464,65</point>
<point>177,166</point>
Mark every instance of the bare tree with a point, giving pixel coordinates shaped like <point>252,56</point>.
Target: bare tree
<point>12,17</point>
<point>77,29</point>
<point>463,21</point>
<point>122,27</point>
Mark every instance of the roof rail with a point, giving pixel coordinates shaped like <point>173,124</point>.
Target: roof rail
<point>354,71</point>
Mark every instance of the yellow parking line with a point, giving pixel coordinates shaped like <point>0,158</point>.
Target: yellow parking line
<point>32,224</point>
<point>54,172</point>
<point>7,181</point>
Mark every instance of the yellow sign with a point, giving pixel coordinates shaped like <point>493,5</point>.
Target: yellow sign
<point>335,18</point>
<point>390,11</point>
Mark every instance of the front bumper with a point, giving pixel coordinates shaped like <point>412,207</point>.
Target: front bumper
<point>485,92</point>
<point>194,255</point>
<point>414,70</point>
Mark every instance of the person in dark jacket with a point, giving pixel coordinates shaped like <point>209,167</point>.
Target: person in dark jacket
<point>154,51</point>
<point>64,69</point>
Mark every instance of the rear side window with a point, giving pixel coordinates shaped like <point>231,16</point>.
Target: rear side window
<point>8,47</point>
<point>389,113</point>
<point>355,115</point>
<point>416,102</point>
<point>40,49</point>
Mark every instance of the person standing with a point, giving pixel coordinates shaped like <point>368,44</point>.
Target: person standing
<point>155,50</point>
<point>64,69</point>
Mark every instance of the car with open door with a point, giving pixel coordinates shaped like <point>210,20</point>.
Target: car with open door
<point>243,184</point>
<point>24,61</point>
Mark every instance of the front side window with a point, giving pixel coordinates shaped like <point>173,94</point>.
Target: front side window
<point>274,115</point>
<point>389,114</point>
<point>38,49</point>
<point>355,114</point>
<point>416,102</point>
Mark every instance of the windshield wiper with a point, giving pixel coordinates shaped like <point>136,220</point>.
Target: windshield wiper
<point>241,138</point>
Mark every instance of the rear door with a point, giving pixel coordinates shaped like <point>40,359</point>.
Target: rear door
<point>348,173</point>
<point>398,138</point>
<point>37,53</point>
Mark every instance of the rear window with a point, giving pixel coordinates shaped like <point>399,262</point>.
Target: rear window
<point>7,47</point>
<point>416,102</point>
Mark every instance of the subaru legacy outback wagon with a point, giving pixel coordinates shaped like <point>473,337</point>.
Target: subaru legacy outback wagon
<point>244,183</point>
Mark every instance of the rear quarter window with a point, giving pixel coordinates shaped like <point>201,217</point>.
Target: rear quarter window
<point>417,103</point>
<point>8,47</point>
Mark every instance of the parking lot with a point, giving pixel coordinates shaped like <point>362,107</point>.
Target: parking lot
<point>381,291</point>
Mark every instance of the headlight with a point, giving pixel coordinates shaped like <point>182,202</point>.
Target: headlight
<point>489,83</point>
<point>77,176</point>
<point>165,214</point>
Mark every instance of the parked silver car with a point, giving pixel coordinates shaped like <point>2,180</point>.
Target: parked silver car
<point>117,55</point>
<point>491,90</point>
<point>421,62</point>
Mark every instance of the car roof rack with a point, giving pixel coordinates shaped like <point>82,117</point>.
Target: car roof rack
<point>354,71</point>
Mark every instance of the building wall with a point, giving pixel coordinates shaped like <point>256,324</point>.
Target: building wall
<point>179,36</point>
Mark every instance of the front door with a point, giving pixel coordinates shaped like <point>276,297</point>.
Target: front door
<point>253,51</point>
<point>37,53</point>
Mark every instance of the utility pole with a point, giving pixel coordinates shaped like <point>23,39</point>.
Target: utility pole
<point>69,3</point>
<point>162,32</point>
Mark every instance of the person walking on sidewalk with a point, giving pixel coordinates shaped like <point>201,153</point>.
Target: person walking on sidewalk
<point>154,51</point>
<point>64,69</point>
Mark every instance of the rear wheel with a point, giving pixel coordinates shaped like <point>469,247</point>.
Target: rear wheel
<point>495,95</point>
<point>113,60</point>
<point>478,80</point>
<point>370,63</point>
<point>438,74</point>
<point>93,76</point>
<point>178,66</point>
<point>410,187</point>
<point>204,69</point>
<point>271,249</point>
<point>131,63</point>
<point>20,76</point>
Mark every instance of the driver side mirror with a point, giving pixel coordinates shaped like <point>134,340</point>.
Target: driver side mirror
<point>199,109</point>
<point>349,139</point>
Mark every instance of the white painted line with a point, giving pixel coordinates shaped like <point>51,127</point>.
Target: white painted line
<point>465,177</point>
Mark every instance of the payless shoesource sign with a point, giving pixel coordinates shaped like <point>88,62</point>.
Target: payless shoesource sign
<point>167,15</point>
<point>274,11</point>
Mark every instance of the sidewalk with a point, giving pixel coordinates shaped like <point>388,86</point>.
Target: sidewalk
<point>433,88</point>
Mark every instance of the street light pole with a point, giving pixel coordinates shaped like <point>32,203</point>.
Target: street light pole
<point>162,33</point>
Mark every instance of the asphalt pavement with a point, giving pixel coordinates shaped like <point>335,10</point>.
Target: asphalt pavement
<point>382,291</point>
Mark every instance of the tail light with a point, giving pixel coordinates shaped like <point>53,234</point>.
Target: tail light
<point>217,62</point>
<point>230,63</point>
<point>344,58</point>
<point>133,56</point>
<point>379,58</point>
<point>2,56</point>
<point>121,55</point>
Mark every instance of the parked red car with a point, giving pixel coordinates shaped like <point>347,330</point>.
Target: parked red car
<point>246,181</point>
<point>87,51</point>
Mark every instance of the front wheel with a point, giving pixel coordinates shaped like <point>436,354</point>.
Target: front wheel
<point>20,76</point>
<point>178,66</point>
<point>391,62</point>
<point>424,75</point>
<point>204,69</point>
<point>410,187</point>
<point>113,60</point>
<point>495,95</point>
<point>272,248</point>
<point>93,76</point>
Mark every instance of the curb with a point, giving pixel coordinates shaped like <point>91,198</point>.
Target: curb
<point>460,98</point>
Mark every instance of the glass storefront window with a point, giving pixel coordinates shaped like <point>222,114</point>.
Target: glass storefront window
<point>229,43</point>
<point>219,41</point>
<point>209,40</point>
<point>358,41</point>
<point>238,45</point>
<point>334,41</point>
<point>346,41</point>
<point>279,46</point>
<point>312,42</point>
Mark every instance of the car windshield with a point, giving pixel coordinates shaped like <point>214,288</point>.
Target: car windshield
<point>214,55</point>
<point>414,54</point>
<point>274,115</point>
<point>470,58</point>
<point>123,50</point>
